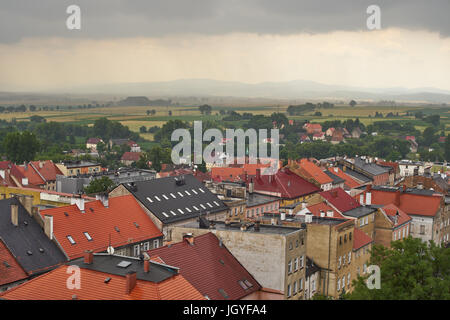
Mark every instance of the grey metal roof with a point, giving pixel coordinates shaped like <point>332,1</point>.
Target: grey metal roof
<point>359,211</point>
<point>28,236</point>
<point>336,179</point>
<point>355,174</point>
<point>170,201</point>
<point>255,199</point>
<point>109,264</point>
<point>371,168</point>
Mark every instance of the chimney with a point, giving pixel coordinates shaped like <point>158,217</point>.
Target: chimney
<point>308,217</point>
<point>397,198</point>
<point>15,212</point>
<point>130,281</point>
<point>28,204</point>
<point>48,226</point>
<point>41,164</point>
<point>146,266</point>
<point>2,174</point>
<point>104,198</point>
<point>189,238</point>
<point>88,257</point>
<point>250,186</point>
<point>79,201</point>
<point>258,173</point>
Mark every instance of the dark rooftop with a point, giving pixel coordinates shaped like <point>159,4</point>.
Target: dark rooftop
<point>360,211</point>
<point>255,199</point>
<point>29,237</point>
<point>121,265</point>
<point>336,179</point>
<point>178,198</point>
<point>264,228</point>
<point>370,167</point>
<point>355,174</point>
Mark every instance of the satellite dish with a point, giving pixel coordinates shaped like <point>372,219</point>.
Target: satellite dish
<point>110,250</point>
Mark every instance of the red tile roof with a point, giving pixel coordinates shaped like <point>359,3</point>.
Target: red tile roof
<point>5,165</point>
<point>315,172</point>
<point>47,169</point>
<point>226,173</point>
<point>340,199</point>
<point>201,265</point>
<point>391,210</point>
<point>10,270</point>
<point>123,212</point>
<point>360,239</point>
<point>131,156</point>
<point>37,172</point>
<point>284,184</point>
<point>349,182</point>
<point>94,140</point>
<point>52,286</point>
<point>315,210</point>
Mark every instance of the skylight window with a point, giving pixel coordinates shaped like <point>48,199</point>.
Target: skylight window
<point>188,210</point>
<point>209,204</point>
<point>216,203</point>
<point>173,213</point>
<point>195,208</point>
<point>242,284</point>
<point>180,194</point>
<point>181,211</point>
<point>165,197</point>
<point>124,264</point>
<point>223,293</point>
<point>248,283</point>
<point>157,198</point>
<point>88,236</point>
<point>187,192</point>
<point>71,240</point>
<point>201,190</point>
<point>165,214</point>
<point>173,196</point>
<point>148,198</point>
<point>194,191</point>
<point>201,205</point>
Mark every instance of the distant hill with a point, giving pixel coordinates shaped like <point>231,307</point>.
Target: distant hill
<point>143,101</point>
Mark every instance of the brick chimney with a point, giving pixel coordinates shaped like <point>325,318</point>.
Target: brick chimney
<point>146,266</point>
<point>88,257</point>
<point>189,238</point>
<point>130,281</point>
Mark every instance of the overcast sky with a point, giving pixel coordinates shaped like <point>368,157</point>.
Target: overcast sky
<point>239,40</point>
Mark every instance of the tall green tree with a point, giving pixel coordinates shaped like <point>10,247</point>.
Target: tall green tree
<point>410,270</point>
<point>99,185</point>
<point>21,146</point>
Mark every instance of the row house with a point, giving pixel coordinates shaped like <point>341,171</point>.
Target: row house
<point>365,166</point>
<point>312,173</point>
<point>109,277</point>
<point>34,174</point>
<point>76,167</point>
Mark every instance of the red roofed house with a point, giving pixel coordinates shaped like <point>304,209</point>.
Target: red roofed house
<point>36,174</point>
<point>426,209</point>
<point>5,174</point>
<point>349,182</point>
<point>107,277</point>
<point>119,222</point>
<point>286,185</point>
<point>312,128</point>
<point>311,172</point>
<point>391,224</point>
<point>129,157</point>
<point>323,210</point>
<point>210,267</point>
<point>319,136</point>
<point>339,200</point>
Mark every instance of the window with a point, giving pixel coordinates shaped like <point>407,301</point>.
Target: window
<point>201,205</point>
<point>348,279</point>
<point>313,285</point>
<point>201,190</point>
<point>340,262</point>
<point>290,245</point>
<point>87,235</point>
<point>364,268</point>
<point>404,230</point>
<point>146,246</point>
<point>194,191</point>
<point>289,290</point>
<point>367,220</point>
<point>136,250</point>
<point>187,192</point>
<point>361,222</point>
<point>165,214</point>
<point>188,210</point>
<point>172,195</point>
<point>302,261</point>
<point>349,257</point>
<point>296,243</point>
<point>290,267</point>
<point>300,284</point>
<point>155,243</point>
<point>173,213</point>
<point>422,229</point>
<point>165,197</point>
<point>294,289</point>
<point>340,240</point>
<point>395,235</point>
<point>150,200</point>
<point>157,198</point>
<point>343,283</point>
<point>339,285</point>
<point>180,194</point>
<point>71,240</point>
<point>296,264</point>
<point>210,205</point>
<point>302,241</point>
<point>344,259</point>
<point>180,211</point>
<point>345,238</point>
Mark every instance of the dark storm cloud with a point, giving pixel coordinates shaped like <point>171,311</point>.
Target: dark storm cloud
<point>120,18</point>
